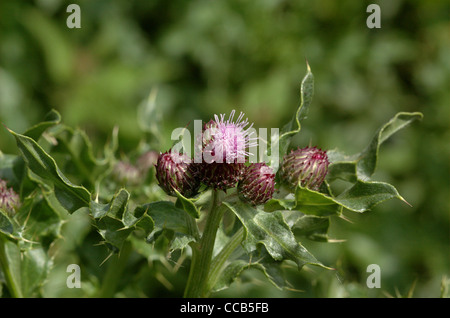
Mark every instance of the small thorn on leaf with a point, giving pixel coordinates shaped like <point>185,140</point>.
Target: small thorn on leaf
<point>401,198</point>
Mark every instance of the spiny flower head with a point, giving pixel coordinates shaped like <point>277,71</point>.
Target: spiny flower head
<point>257,184</point>
<point>225,141</point>
<point>223,144</point>
<point>9,199</point>
<point>307,166</point>
<point>175,171</point>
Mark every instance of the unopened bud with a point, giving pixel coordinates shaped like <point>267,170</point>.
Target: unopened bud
<point>174,171</point>
<point>257,184</point>
<point>305,166</point>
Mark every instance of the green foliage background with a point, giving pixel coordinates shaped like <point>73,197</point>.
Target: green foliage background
<point>207,57</point>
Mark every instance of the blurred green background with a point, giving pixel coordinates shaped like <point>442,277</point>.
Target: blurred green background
<point>206,57</point>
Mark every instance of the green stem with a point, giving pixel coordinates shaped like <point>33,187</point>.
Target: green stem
<point>202,252</point>
<point>217,265</point>
<point>12,285</point>
<point>114,272</point>
<point>190,222</point>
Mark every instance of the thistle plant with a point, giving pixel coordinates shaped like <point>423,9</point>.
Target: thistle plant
<point>182,209</point>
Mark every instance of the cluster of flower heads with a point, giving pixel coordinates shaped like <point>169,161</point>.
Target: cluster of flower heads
<point>221,164</point>
<point>9,200</point>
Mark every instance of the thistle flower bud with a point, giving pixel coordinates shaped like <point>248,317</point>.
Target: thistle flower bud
<point>257,184</point>
<point>175,171</point>
<point>307,166</point>
<point>9,200</point>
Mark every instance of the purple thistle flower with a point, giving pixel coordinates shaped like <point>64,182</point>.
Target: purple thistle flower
<point>224,145</point>
<point>257,184</point>
<point>307,166</point>
<point>175,171</point>
<point>227,141</point>
<point>9,200</point>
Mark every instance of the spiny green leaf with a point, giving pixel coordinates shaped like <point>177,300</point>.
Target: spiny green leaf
<point>78,152</point>
<point>364,195</point>
<point>27,268</point>
<point>113,232</point>
<point>267,265</point>
<point>35,224</point>
<point>8,164</point>
<point>167,217</point>
<point>188,205</point>
<point>312,227</point>
<point>271,231</point>
<point>294,126</point>
<point>313,202</point>
<point>275,204</point>
<point>138,218</point>
<point>360,197</point>
<point>115,221</point>
<point>306,201</point>
<point>367,163</point>
<point>51,119</point>
<point>363,165</point>
<point>38,220</point>
<point>72,197</point>
<point>14,170</point>
<point>35,267</point>
<point>114,209</point>
<point>6,225</point>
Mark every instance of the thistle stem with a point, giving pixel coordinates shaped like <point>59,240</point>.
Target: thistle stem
<point>11,283</point>
<point>217,265</point>
<point>202,252</point>
<point>114,272</point>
